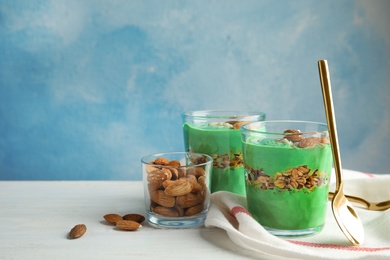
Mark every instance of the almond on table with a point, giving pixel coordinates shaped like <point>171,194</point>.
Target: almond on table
<point>112,218</point>
<point>128,225</point>
<point>134,217</point>
<point>77,231</point>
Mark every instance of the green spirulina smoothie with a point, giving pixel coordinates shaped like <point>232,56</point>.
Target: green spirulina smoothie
<point>287,186</point>
<point>223,143</point>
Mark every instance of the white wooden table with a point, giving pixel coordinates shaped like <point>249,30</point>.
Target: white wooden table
<point>36,216</point>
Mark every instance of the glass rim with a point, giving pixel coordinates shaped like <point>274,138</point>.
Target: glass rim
<point>244,128</point>
<point>185,155</point>
<point>223,114</point>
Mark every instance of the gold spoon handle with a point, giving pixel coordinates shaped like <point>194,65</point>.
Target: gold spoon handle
<point>376,206</point>
<point>332,128</point>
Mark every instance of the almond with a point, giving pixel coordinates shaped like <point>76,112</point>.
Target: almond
<point>112,218</point>
<point>154,186</point>
<point>179,187</point>
<point>161,161</point>
<point>293,135</point>
<point>310,141</point>
<point>134,217</point>
<point>182,172</point>
<point>169,212</point>
<point>162,199</point>
<point>189,200</point>
<point>166,183</point>
<point>194,210</point>
<point>197,171</point>
<point>196,187</point>
<point>77,231</point>
<point>128,225</point>
<point>174,163</point>
<point>180,211</point>
<point>175,173</point>
<point>150,168</point>
<point>159,175</point>
<point>202,182</point>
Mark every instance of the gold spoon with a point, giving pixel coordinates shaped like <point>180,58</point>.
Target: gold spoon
<point>345,215</point>
<point>378,206</point>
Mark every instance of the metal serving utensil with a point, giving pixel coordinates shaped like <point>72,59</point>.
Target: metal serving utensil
<point>377,206</point>
<point>345,215</point>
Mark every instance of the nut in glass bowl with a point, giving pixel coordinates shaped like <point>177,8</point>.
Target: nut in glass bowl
<point>176,189</point>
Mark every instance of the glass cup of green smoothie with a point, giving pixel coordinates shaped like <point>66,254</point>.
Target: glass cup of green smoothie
<point>217,133</point>
<point>287,170</point>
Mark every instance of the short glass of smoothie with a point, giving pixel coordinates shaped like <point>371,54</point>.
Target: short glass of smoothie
<point>217,133</point>
<point>176,189</point>
<point>287,170</point>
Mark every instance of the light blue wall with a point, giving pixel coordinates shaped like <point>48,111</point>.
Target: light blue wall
<point>88,87</point>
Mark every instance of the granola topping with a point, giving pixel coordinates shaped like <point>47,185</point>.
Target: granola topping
<point>297,178</point>
<point>224,161</point>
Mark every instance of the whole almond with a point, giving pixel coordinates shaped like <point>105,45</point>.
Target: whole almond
<point>161,161</point>
<point>309,141</point>
<point>150,168</point>
<point>175,172</point>
<point>77,231</point>
<point>182,172</point>
<point>197,171</point>
<point>174,163</point>
<point>170,212</point>
<point>179,187</point>
<point>159,176</point>
<point>159,197</point>
<point>189,200</point>
<point>134,217</point>
<point>128,225</point>
<point>180,211</point>
<point>154,186</point>
<point>166,183</point>
<point>194,210</point>
<point>196,187</point>
<point>112,218</point>
<point>293,135</point>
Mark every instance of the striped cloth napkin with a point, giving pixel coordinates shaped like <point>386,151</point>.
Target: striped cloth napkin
<point>228,212</point>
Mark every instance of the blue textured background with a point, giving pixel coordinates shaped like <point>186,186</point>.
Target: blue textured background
<point>89,87</point>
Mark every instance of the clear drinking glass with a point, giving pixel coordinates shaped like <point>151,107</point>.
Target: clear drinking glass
<point>287,170</point>
<point>217,133</point>
<point>176,189</point>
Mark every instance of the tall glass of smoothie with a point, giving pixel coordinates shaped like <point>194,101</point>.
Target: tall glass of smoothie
<point>217,133</point>
<point>287,170</point>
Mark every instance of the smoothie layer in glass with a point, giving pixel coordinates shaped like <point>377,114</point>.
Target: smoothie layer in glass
<point>287,186</point>
<point>223,143</point>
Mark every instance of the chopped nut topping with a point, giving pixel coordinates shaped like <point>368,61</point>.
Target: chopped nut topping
<point>224,161</point>
<point>293,135</point>
<point>295,178</point>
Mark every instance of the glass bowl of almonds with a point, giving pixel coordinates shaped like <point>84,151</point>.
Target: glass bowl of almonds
<point>176,189</point>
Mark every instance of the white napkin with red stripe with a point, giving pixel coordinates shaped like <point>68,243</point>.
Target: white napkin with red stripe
<point>228,211</point>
